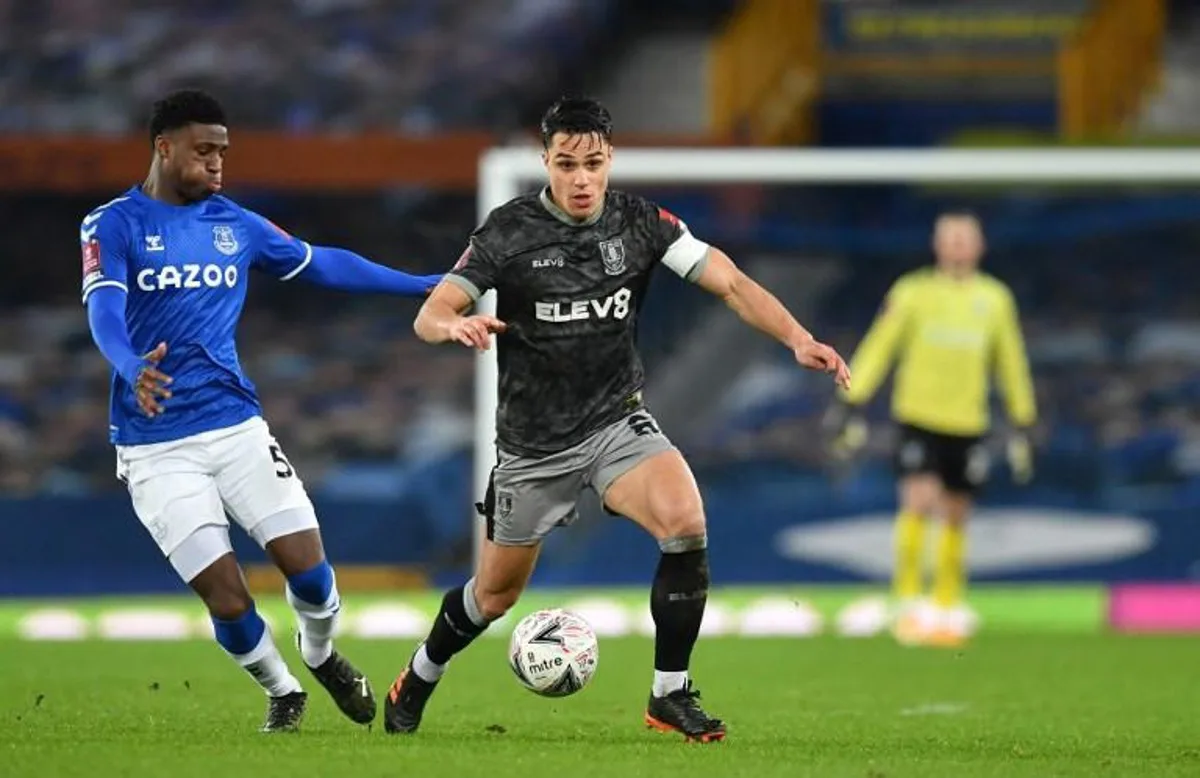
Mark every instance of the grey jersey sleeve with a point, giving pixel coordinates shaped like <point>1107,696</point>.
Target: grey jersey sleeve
<point>476,270</point>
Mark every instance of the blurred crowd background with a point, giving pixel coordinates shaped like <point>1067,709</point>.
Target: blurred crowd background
<point>327,65</point>
<point>1104,275</point>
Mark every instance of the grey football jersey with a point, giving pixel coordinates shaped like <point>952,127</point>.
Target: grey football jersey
<point>570,293</point>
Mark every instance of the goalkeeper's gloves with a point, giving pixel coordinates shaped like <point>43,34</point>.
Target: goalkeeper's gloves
<point>1020,456</point>
<point>849,431</point>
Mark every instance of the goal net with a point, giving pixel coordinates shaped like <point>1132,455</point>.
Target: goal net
<point>1099,247</point>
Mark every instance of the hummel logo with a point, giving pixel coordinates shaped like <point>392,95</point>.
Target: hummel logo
<point>154,243</point>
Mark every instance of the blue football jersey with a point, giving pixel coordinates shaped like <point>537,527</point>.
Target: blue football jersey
<point>184,270</point>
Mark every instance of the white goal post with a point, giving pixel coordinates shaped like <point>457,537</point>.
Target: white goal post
<point>505,172</point>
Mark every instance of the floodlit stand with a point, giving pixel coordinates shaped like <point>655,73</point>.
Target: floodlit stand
<point>504,172</point>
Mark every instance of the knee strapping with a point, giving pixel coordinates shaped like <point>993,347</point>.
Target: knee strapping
<point>683,543</point>
<point>314,591</point>
<point>241,635</point>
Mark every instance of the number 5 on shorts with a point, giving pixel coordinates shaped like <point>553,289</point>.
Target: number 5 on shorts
<point>283,468</point>
<point>642,425</point>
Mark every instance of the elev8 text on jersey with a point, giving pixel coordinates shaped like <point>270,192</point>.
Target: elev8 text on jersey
<point>570,294</point>
<point>184,271</point>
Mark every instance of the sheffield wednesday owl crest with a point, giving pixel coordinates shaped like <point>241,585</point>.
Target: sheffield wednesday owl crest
<point>613,254</point>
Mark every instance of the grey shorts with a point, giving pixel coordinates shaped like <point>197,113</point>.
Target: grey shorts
<point>529,497</point>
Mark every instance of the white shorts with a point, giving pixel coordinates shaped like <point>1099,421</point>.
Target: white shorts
<point>183,486</point>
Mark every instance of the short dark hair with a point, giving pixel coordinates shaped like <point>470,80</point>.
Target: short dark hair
<point>179,109</point>
<point>959,212</point>
<point>576,116</point>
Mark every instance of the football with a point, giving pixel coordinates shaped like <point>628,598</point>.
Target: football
<point>553,652</point>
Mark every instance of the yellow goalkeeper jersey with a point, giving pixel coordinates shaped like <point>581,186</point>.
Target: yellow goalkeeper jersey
<point>946,337</point>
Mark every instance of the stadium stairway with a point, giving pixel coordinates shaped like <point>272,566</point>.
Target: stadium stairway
<point>1175,108</point>
<point>655,79</point>
<point>660,86</point>
<point>684,390</point>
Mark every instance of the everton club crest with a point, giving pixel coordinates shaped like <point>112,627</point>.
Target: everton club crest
<point>613,254</point>
<point>225,240</point>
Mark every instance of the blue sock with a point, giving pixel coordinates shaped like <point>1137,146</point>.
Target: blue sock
<point>249,642</point>
<point>313,586</point>
<point>241,635</point>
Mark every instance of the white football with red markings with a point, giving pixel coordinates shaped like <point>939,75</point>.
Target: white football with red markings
<point>553,652</point>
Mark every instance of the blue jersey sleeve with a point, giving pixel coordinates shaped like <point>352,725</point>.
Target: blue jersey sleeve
<point>104,241</point>
<point>275,251</point>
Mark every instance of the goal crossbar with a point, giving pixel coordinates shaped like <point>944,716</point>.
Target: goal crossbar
<point>504,171</point>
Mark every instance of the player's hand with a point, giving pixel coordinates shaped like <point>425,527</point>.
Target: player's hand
<point>151,386</point>
<point>817,356</point>
<point>1019,452</point>
<point>476,331</point>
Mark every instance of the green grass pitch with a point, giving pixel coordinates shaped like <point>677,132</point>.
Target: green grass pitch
<point>1008,705</point>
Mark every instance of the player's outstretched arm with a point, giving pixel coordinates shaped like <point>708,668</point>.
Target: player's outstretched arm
<point>342,269</point>
<point>763,311</point>
<point>442,319</point>
<point>106,320</point>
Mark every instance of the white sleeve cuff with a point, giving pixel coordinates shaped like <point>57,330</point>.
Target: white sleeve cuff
<point>88,289</point>
<point>303,263</point>
<point>686,256</point>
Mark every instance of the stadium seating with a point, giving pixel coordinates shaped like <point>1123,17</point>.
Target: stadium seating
<point>343,65</point>
<point>361,405</point>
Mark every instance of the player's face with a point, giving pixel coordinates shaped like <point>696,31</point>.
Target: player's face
<point>193,157</point>
<point>578,167</point>
<point>958,244</point>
